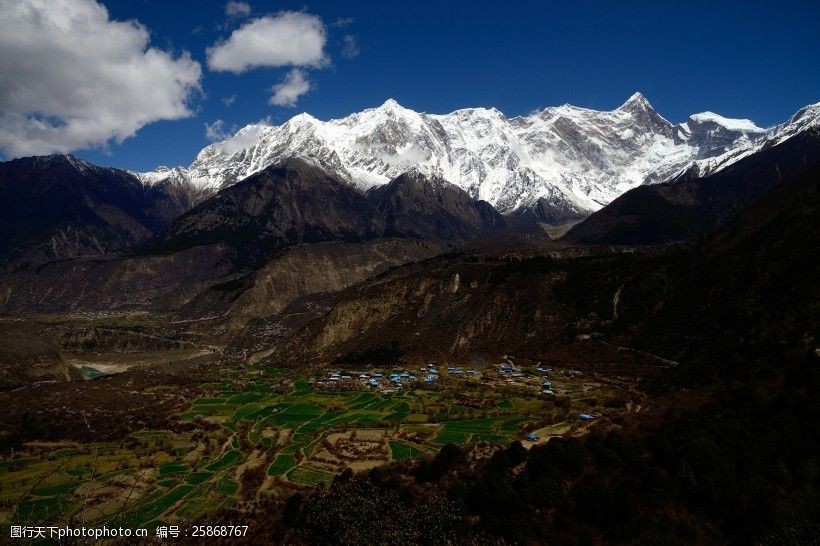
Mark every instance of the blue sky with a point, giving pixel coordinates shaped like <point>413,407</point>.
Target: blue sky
<point>743,59</point>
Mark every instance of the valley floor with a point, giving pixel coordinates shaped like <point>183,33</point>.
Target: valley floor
<point>160,446</point>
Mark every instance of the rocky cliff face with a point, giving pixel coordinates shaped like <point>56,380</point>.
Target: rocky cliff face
<point>449,306</point>
<point>305,271</point>
<point>28,352</point>
<point>115,284</point>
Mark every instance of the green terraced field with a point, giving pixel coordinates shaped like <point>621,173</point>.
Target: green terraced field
<point>52,490</point>
<point>490,429</point>
<point>446,436</point>
<point>282,464</point>
<point>230,458</point>
<point>198,477</point>
<point>227,487</point>
<point>309,476</point>
<point>175,475</point>
<point>172,468</point>
<point>150,511</point>
<point>400,451</point>
<point>38,510</point>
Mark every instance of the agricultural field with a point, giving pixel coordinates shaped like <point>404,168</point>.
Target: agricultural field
<point>264,431</point>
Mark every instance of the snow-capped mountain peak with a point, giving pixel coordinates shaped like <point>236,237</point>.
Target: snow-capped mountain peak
<point>636,102</point>
<point>390,105</point>
<point>742,125</point>
<point>753,138</point>
<point>806,117</point>
<point>566,159</point>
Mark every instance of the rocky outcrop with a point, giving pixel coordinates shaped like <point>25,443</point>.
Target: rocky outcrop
<point>28,353</point>
<point>444,307</point>
<point>91,285</point>
<point>325,268</point>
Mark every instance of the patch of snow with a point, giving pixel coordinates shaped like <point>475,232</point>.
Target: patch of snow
<point>742,125</point>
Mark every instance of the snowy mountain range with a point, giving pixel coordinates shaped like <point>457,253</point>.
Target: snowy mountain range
<point>562,162</point>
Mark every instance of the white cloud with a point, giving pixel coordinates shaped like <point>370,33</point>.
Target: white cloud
<point>350,47</point>
<point>70,78</point>
<point>237,9</point>
<point>228,101</point>
<point>216,131</point>
<point>342,22</point>
<point>292,87</point>
<point>289,38</point>
<point>244,138</point>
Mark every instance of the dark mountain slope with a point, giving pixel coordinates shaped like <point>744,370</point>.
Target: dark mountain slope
<point>752,283</point>
<point>193,262</point>
<point>115,283</point>
<point>551,212</point>
<point>683,209</point>
<point>56,207</point>
<point>295,202</point>
<point>413,205</point>
<point>283,205</point>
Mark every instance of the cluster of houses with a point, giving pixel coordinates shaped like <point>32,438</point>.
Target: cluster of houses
<point>546,384</point>
<point>458,372</point>
<point>430,374</point>
<point>390,381</point>
<point>513,374</point>
<point>510,371</point>
<point>375,379</point>
<point>402,377</point>
<point>393,380</point>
